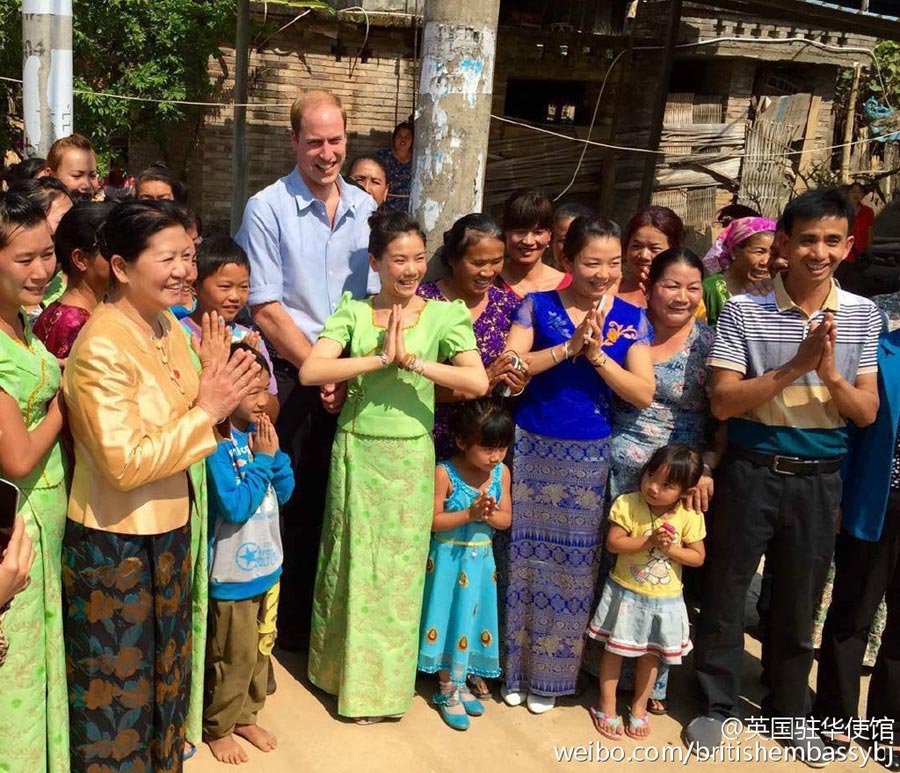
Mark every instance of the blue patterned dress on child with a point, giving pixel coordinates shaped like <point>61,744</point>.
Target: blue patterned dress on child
<point>459,614</point>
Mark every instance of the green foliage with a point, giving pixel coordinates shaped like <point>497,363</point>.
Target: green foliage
<point>887,54</point>
<point>157,49</point>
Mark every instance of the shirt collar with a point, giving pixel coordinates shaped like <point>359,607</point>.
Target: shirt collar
<point>784,302</point>
<point>304,198</point>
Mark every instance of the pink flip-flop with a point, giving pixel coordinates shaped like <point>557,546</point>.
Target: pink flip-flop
<point>611,720</point>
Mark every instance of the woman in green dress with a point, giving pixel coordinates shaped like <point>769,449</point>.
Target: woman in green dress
<point>371,570</point>
<point>33,706</point>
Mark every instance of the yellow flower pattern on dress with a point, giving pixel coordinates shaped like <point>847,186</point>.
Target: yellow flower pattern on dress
<point>616,330</point>
<point>463,580</point>
<point>431,635</point>
<point>463,644</point>
<point>486,638</point>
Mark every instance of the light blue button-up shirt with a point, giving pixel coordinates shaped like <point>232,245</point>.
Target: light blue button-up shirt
<point>298,259</point>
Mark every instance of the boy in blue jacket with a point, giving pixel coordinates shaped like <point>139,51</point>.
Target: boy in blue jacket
<point>248,479</point>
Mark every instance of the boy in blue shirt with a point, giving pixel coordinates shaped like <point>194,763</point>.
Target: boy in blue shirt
<point>248,479</point>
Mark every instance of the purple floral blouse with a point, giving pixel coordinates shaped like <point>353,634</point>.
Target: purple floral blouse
<point>491,329</point>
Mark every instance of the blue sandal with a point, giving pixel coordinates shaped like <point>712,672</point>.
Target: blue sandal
<point>635,723</point>
<point>473,706</point>
<point>444,701</point>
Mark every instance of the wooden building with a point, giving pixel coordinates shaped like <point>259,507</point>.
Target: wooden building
<point>737,99</point>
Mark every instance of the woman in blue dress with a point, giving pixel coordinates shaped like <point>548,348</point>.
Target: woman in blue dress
<point>585,345</point>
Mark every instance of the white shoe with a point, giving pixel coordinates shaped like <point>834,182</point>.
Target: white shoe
<point>512,697</point>
<point>540,704</point>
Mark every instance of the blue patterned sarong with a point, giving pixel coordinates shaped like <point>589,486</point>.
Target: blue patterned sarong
<point>554,555</point>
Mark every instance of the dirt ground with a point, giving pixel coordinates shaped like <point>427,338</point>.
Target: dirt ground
<point>312,737</point>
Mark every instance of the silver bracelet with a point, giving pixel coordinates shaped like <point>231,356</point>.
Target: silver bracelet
<point>384,359</point>
<point>553,355</point>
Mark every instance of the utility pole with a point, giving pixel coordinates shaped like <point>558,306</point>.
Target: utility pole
<point>453,112</point>
<point>239,116</point>
<point>46,73</point>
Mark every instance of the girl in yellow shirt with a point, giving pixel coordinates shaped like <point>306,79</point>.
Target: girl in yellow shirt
<point>641,613</point>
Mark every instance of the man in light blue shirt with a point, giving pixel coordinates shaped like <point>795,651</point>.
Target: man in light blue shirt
<point>307,238</point>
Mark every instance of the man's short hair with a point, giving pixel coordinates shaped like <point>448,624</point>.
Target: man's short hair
<point>310,99</point>
<point>816,204</point>
<point>59,148</point>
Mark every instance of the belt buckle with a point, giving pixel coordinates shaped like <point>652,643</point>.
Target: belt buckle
<point>776,464</point>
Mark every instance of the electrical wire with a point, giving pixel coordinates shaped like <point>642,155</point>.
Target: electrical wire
<point>584,150</point>
<point>504,119</point>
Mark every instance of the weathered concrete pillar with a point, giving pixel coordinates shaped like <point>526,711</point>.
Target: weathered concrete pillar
<point>453,112</point>
<point>46,73</point>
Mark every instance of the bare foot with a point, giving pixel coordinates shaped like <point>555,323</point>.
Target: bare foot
<point>261,738</point>
<point>228,750</point>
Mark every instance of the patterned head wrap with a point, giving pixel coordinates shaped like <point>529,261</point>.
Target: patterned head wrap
<point>719,257</point>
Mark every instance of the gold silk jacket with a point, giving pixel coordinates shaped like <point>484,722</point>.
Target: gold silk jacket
<point>130,401</point>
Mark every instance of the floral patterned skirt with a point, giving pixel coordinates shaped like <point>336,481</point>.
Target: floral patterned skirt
<point>554,555</point>
<point>371,572</point>
<point>128,648</point>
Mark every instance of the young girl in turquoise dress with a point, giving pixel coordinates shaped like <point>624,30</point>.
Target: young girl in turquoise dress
<point>641,613</point>
<point>459,615</point>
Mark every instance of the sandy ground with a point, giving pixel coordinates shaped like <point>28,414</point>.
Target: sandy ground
<point>312,737</point>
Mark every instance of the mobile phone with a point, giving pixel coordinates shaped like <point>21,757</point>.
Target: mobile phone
<point>9,506</point>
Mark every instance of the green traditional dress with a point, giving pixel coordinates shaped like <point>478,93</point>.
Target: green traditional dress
<point>715,293</point>
<point>33,700</point>
<point>200,589</point>
<point>378,513</point>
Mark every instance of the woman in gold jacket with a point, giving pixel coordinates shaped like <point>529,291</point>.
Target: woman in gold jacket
<point>140,417</point>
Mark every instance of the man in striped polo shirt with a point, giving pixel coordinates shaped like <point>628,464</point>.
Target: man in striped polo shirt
<point>788,370</point>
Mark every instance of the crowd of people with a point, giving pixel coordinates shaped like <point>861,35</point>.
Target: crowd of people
<point>513,473</point>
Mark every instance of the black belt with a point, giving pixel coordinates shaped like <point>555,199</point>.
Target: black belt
<point>790,465</point>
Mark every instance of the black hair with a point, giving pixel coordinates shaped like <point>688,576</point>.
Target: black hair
<point>400,127</point>
<point>856,184</point>
<point>467,232</point>
<point>527,209</point>
<point>17,211</point>
<point>26,169</point>
<point>130,226</point>
<point>217,251</point>
<point>670,257</point>
<point>734,212</point>
<point>79,229</point>
<point>816,204</point>
<point>186,217</point>
<point>572,209</point>
<point>43,191</point>
<point>483,423</point>
<point>160,172</point>
<point>384,227</point>
<point>243,346</point>
<point>583,230</point>
<point>366,157</point>
<point>684,463</point>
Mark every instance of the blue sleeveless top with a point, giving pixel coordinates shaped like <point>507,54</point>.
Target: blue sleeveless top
<point>461,498</point>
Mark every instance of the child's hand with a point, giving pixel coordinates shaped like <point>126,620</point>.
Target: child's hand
<point>483,507</point>
<point>663,538</point>
<point>266,441</point>
<point>252,340</point>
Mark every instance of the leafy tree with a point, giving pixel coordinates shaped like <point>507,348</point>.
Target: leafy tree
<point>157,49</point>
